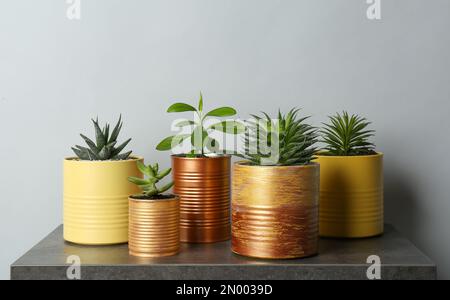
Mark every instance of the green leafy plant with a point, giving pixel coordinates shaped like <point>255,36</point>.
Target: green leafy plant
<point>105,146</point>
<point>152,177</point>
<point>290,137</point>
<point>347,135</point>
<point>201,141</point>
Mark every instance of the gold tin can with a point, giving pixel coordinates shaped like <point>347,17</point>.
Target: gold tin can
<point>275,211</point>
<point>154,227</point>
<point>351,196</point>
<point>203,185</point>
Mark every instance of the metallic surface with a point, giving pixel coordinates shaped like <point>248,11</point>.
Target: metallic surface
<point>351,196</point>
<point>203,185</point>
<point>154,227</point>
<point>275,211</point>
<point>96,200</point>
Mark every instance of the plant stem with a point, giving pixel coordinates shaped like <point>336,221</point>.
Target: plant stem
<point>200,115</point>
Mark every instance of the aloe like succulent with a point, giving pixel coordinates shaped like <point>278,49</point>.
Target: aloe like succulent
<point>152,177</point>
<point>201,141</point>
<point>291,138</point>
<point>347,135</point>
<point>105,146</point>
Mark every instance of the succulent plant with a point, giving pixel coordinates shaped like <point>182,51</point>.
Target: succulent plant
<point>201,141</point>
<point>292,139</point>
<point>152,177</point>
<point>105,146</point>
<point>347,135</point>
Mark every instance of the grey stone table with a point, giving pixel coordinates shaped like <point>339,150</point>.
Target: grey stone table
<point>338,259</point>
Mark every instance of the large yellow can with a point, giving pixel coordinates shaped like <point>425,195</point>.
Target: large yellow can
<point>351,196</point>
<point>96,200</point>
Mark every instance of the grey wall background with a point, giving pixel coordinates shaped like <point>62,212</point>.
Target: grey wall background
<point>135,57</point>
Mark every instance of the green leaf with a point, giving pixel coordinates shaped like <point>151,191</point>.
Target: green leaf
<point>81,148</point>
<point>101,141</point>
<point>180,138</point>
<point>92,155</point>
<point>106,132</point>
<point>110,149</point>
<point>222,112</point>
<point>164,174</point>
<point>200,103</point>
<point>104,154</point>
<point>150,183</point>
<point>150,191</point>
<point>166,188</point>
<point>180,107</point>
<point>146,170</point>
<point>81,154</point>
<point>123,156</point>
<point>90,143</point>
<point>116,130</point>
<point>138,181</point>
<point>232,127</point>
<point>197,138</point>
<point>165,144</point>
<point>120,148</point>
<point>142,168</point>
<point>171,142</point>
<point>185,123</point>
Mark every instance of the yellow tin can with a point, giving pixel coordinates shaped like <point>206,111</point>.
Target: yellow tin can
<point>96,200</point>
<point>351,196</point>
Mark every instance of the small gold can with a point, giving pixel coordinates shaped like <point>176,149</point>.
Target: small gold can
<point>154,229</point>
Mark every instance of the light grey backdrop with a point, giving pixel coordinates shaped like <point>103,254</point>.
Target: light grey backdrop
<point>135,57</point>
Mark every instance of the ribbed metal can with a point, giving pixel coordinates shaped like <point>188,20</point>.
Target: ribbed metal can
<point>203,185</point>
<point>275,211</point>
<point>154,227</point>
<point>96,200</point>
<point>351,196</point>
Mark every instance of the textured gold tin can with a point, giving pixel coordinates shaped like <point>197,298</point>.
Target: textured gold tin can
<point>154,227</point>
<point>275,211</point>
<point>203,185</point>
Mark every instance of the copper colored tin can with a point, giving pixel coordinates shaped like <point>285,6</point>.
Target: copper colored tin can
<point>154,227</point>
<point>203,185</point>
<point>275,211</point>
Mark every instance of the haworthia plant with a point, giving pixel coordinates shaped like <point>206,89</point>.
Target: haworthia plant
<point>201,140</point>
<point>290,137</point>
<point>152,177</point>
<point>347,135</point>
<point>104,148</point>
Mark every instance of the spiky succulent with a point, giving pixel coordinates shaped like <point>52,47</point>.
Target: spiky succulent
<point>284,142</point>
<point>105,146</point>
<point>347,135</point>
<point>152,177</point>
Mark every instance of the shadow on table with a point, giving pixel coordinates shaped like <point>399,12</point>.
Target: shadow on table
<point>401,201</point>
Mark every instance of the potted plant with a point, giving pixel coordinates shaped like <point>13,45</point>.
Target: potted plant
<point>351,191</point>
<point>154,217</point>
<point>202,175</point>
<point>96,189</point>
<point>276,193</point>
